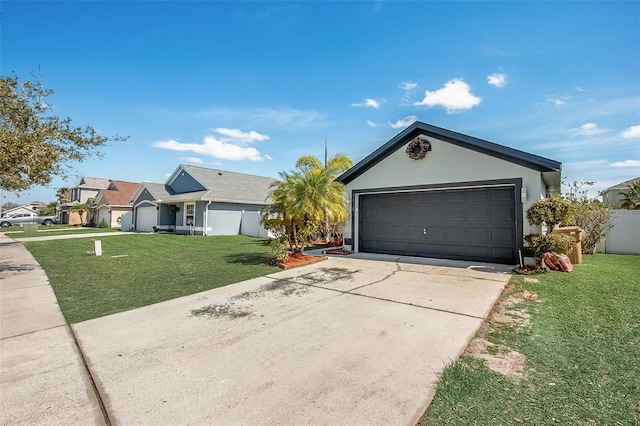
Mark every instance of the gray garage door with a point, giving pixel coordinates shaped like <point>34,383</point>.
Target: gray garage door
<point>470,224</point>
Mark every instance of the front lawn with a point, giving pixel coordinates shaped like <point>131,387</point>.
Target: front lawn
<point>139,270</point>
<point>582,348</point>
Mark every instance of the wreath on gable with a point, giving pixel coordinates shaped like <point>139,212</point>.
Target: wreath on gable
<point>418,148</point>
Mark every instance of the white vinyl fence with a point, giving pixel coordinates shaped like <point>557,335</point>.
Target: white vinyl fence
<point>251,226</point>
<point>624,237</point>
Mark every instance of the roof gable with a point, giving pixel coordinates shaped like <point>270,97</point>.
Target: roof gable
<point>182,180</point>
<point>155,191</point>
<point>522,158</point>
<point>119,193</point>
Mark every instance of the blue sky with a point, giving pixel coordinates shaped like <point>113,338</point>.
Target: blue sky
<point>251,86</point>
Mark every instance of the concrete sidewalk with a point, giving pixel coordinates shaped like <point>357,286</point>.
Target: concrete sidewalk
<point>43,379</point>
<point>72,236</point>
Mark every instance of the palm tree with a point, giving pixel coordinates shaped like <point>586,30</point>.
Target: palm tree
<point>332,168</point>
<point>81,209</point>
<point>301,201</point>
<point>631,200</point>
<point>63,195</point>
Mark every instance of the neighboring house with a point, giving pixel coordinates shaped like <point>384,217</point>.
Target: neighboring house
<point>612,196</point>
<point>87,188</point>
<point>34,206</point>
<point>433,192</point>
<point>199,200</point>
<point>111,203</point>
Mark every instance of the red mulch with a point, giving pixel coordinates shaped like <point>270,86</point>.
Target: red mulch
<point>338,251</point>
<point>299,259</point>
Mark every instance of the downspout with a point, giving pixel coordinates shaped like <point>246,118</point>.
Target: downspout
<point>205,219</point>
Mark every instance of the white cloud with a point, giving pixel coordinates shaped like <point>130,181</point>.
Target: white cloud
<point>626,163</point>
<point>455,96</point>
<point>403,122</point>
<point>498,80</point>
<point>370,103</point>
<point>239,136</point>
<point>232,147</point>
<point>588,129</point>
<point>407,85</point>
<point>195,160</point>
<point>556,100</point>
<point>399,124</point>
<point>631,132</point>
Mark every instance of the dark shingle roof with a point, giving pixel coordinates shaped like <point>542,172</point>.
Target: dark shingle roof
<point>522,158</point>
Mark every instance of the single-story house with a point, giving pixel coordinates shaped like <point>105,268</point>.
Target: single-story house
<point>32,207</point>
<point>612,197</point>
<point>111,203</point>
<point>204,201</point>
<point>82,193</point>
<point>434,192</point>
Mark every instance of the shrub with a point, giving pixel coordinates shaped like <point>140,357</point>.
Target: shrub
<point>549,211</point>
<point>592,217</point>
<point>103,224</point>
<point>279,249</point>
<point>543,243</point>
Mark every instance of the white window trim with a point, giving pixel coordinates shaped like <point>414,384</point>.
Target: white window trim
<point>185,214</point>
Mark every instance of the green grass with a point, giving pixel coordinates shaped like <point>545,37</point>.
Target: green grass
<point>583,355</point>
<point>156,268</point>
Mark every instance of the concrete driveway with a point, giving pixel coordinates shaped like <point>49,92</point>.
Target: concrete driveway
<point>343,341</point>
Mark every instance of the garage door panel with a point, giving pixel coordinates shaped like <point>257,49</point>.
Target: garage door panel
<point>505,213</point>
<point>470,223</point>
<point>459,250</point>
<point>455,196</point>
<point>503,252</point>
<point>416,215</point>
<point>479,233</point>
<point>455,215</point>
<point>432,249</point>
<point>481,215</point>
<point>456,234</point>
<point>479,251</point>
<point>503,234</point>
<point>397,246</point>
<point>478,195</point>
<point>434,215</point>
<point>415,247</point>
<point>434,197</point>
<point>506,194</point>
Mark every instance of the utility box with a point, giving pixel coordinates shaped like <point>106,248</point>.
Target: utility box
<point>576,255</point>
<point>30,228</point>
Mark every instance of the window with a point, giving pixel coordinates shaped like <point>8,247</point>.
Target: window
<point>189,214</point>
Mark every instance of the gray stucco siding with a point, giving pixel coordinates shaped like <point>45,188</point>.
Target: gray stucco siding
<point>185,183</point>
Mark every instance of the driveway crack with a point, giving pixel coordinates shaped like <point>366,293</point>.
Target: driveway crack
<point>389,275</point>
